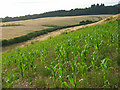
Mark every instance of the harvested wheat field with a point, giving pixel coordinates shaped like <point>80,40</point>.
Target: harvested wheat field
<point>55,33</point>
<point>37,24</point>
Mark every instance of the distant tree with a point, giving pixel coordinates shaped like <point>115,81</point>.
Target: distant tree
<point>97,5</point>
<point>93,10</point>
<point>102,5</point>
<point>92,6</point>
<point>71,9</point>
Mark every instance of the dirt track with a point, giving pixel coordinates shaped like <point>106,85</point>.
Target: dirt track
<point>36,24</point>
<point>53,34</point>
<point>45,37</point>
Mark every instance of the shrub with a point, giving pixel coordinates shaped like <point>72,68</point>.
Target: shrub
<point>38,33</point>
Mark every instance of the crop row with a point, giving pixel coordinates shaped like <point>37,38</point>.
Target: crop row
<point>85,58</point>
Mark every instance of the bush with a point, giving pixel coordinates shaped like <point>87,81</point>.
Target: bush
<point>86,22</point>
<point>8,25</point>
<point>38,33</point>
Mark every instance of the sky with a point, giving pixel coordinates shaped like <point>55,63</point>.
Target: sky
<point>14,8</point>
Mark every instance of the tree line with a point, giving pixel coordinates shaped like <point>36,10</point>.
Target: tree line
<point>97,9</point>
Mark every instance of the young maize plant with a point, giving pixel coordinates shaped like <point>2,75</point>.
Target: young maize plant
<point>105,69</point>
<point>53,69</point>
<point>43,55</point>
<point>72,59</point>
<point>61,71</point>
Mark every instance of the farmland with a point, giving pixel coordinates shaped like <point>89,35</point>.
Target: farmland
<point>81,59</point>
<point>26,26</point>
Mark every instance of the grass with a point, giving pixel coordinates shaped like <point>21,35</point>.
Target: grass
<point>51,26</point>
<point>31,35</point>
<point>9,25</point>
<point>82,59</point>
<point>36,24</point>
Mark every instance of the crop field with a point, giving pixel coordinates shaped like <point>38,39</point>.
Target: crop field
<point>87,58</point>
<point>19,28</point>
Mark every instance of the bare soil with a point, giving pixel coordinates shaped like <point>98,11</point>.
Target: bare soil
<point>55,33</point>
<point>36,24</point>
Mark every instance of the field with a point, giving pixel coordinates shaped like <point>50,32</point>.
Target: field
<point>85,58</point>
<point>26,26</point>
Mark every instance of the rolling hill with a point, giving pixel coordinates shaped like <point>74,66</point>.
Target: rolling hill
<point>86,58</point>
<point>93,10</point>
<point>28,26</point>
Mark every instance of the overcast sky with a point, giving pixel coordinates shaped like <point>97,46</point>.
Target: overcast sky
<point>14,8</point>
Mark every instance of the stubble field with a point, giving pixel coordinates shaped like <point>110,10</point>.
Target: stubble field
<point>28,26</point>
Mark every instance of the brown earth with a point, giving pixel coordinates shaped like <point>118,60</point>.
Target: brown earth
<point>36,24</point>
<point>55,33</point>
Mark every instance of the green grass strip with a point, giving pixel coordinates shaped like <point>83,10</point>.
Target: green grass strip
<point>34,34</point>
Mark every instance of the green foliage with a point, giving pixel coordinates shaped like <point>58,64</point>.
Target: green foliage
<point>34,34</point>
<point>93,10</point>
<point>86,22</point>
<point>80,59</point>
<point>51,26</point>
<point>9,25</point>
